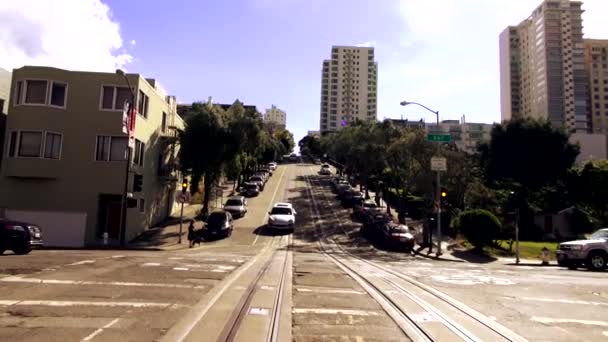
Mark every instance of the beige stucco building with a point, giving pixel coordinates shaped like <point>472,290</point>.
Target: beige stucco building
<point>5,90</point>
<point>64,157</point>
<point>542,71</point>
<point>596,65</point>
<point>348,87</point>
<point>276,117</point>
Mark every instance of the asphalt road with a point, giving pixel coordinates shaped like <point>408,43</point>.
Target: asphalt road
<point>322,283</point>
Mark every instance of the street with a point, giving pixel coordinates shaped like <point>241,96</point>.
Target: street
<point>324,282</point>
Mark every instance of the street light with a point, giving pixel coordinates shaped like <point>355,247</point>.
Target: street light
<point>123,206</point>
<point>438,190</point>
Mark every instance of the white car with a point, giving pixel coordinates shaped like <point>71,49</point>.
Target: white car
<point>325,170</point>
<point>282,216</point>
<point>236,205</point>
<point>272,166</point>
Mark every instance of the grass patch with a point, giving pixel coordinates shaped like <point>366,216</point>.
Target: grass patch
<point>527,249</point>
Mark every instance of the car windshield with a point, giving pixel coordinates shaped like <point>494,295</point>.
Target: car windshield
<point>233,202</point>
<point>399,229</point>
<point>369,205</point>
<point>280,211</point>
<point>216,218</point>
<point>256,178</point>
<point>250,186</point>
<point>600,235</point>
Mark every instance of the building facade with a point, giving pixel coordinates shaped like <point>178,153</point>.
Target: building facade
<point>596,66</point>
<point>5,90</point>
<point>542,67</point>
<point>348,87</point>
<point>276,117</point>
<point>465,135</point>
<point>64,162</point>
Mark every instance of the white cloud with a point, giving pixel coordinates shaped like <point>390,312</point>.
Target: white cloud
<point>367,44</point>
<point>133,42</point>
<point>73,34</point>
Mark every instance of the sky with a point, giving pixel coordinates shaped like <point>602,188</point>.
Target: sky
<point>442,53</point>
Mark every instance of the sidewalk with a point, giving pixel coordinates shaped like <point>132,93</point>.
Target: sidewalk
<point>165,236</point>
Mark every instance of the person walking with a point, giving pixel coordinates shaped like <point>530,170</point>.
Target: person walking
<point>191,233</point>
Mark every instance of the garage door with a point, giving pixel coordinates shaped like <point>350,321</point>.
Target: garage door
<point>59,229</point>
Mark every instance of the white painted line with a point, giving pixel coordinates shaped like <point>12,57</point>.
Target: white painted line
<point>66,303</point>
<point>548,320</point>
<point>15,279</point>
<point>565,301</point>
<point>83,262</point>
<point>151,264</point>
<point>176,258</point>
<point>100,330</point>
<point>219,271</point>
<point>259,311</point>
<point>335,312</point>
<point>423,317</point>
<point>226,267</point>
<point>320,290</point>
<point>118,256</point>
<point>180,268</point>
<point>267,287</point>
<point>605,333</point>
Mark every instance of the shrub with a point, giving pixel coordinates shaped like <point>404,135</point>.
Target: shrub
<point>479,226</point>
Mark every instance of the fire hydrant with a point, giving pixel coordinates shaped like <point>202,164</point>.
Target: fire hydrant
<point>545,256</point>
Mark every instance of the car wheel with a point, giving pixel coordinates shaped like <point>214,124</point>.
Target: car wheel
<point>22,251</point>
<point>596,261</point>
<point>571,265</point>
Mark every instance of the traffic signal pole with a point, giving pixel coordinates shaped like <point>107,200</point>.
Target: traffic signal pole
<point>181,214</point>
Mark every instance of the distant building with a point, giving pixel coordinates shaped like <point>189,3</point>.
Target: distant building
<point>596,66</point>
<point>5,90</point>
<point>593,146</point>
<point>314,133</point>
<point>405,123</point>
<point>276,116</point>
<point>65,161</point>
<point>466,135</point>
<point>183,109</point>
<point>542,67</point>
<point>348,87</point>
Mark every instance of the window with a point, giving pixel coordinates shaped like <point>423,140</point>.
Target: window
<point>114,98</point>
<point>52,146</point>
<point>58,94</point>
<point>12,144</point>
<point>138,154</point>
<point>142,108</point>
<point>30,143</point>
<point>18,92</point>
<point>163,126</point>
<point>141,205</point>
<point>110,148</point>
<point>35,92</point>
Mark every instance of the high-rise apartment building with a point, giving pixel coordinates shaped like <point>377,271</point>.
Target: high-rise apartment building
<point>596,63</point>
<point>348,87</point>
<point>542,67</point>
<point>276,117</point>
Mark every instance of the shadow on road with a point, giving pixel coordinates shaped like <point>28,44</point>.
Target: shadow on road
<point>266,231</point>
<point>474,256</point>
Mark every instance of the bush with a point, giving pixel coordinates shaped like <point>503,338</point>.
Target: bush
<point>479,226</point>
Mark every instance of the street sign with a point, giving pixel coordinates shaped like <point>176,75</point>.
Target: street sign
<point>182,197</point>
<point>439,137</point>
<point>439,164</point>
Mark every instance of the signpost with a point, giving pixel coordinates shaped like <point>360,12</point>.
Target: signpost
<point>439,164</point>
<point>439,137</point>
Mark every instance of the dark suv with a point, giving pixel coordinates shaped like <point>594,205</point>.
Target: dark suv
<point>219,224</point>
<point>20,237</point>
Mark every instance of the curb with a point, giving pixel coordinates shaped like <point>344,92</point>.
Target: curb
<point>431,256</point>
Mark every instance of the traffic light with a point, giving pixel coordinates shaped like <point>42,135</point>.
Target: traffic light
<point>444,193</point>
<point>184,185</point>
<point>138,182</point>
<point>443,197</point>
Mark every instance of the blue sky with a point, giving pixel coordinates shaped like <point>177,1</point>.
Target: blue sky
<point>442,53</point>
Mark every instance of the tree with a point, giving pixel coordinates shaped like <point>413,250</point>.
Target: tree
<point>527,152</point>
<point>480,227</point>
<point>589,187</point>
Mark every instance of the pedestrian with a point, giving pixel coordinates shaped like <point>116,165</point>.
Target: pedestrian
<point>191,233</point>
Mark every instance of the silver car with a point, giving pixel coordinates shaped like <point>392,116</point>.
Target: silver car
<point>237,206</point>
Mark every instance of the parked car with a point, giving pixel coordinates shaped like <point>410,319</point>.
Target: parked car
<point>250,189</point>
<point>237,206</point>
<point>316,161</point>
<point>325,170</point>
<point>336,182</point>
<point>372,223</point>
<point>361,207</point>
<point>272,165</point>
<point>259,180</point>
<point>342,188</point>
<point>397,236</point>
<point>593,252</point>
<point>282,216</point>
<point>20,237</point>
<point>218,224</point>
<point>350,197</point>
<point>266,169</point>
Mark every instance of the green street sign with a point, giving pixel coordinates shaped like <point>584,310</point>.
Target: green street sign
<point>439,137</point>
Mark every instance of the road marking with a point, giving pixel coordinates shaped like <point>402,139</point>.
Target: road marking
<point>605,333</point>
<point>118,256</point>
<point>549,320</point>
<point>83,262</point>
<point>16,279</point>
<point>565,301</point>
<point>334,312</point>
<point>100,330</point>
<point>176,258</point>
<point>151,264</point>
<point>180,268</point>
<point>64,303</point>
<point>271,203</point>
<point>423,317</point>
<point>323,290</point>
<point>259,311</point>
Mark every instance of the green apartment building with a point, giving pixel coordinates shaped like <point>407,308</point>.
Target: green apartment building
<point>64,157</point>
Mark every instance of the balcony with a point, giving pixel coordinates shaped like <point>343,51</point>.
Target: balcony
<point>168,174</point>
